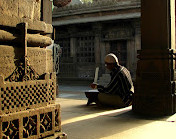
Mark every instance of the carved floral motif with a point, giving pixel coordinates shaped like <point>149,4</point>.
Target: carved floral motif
<point>23,72</point>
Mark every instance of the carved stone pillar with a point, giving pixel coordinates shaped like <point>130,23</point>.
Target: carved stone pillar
<point>137,46</point>
<point>72,48</point>
<point>27,79</point>
<point>46,12</point>
<point>155,84</point>
<point>97,28</point>
<point>72,31</point>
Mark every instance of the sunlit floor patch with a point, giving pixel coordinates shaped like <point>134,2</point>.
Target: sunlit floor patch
<point>90,116</point>
<point>172,118</point>
<point>152,130</point>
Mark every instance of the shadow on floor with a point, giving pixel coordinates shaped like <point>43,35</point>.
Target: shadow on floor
<point>92,122</point>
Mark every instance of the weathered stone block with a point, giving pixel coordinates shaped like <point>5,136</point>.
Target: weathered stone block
<point>37,59</point>
<point>26,9</point>
<point>36,25</point>
<point>7,58</point>
<point>49,61</point>
<point>21,8</point>
<point>37,9</point>
<point>9,7</point>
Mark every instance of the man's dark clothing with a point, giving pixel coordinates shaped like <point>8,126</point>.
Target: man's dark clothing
<point>121,84</point>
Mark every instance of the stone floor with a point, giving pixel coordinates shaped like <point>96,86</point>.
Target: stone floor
<point>91,122</point>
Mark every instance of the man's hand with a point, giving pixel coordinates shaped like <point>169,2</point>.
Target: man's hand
<point>93,86</point>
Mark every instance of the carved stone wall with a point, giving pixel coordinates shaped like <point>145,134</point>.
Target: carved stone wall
<point>119,37</point>
<point>109,23</point>
<point>37,59</point>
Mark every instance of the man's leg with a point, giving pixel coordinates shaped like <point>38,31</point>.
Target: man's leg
<point>111,100</point>
<point>92,97</point>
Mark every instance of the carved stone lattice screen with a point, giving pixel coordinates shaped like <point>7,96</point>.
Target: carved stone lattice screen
<point>25,95</point>
<point>85,49</point>
<point>65,45</point>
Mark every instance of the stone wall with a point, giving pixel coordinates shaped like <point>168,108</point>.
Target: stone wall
<point>108,23</point>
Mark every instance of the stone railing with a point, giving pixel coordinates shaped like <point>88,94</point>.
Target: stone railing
<point>100,5</point>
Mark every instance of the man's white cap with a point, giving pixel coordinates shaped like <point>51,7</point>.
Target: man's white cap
<point>111,58</point>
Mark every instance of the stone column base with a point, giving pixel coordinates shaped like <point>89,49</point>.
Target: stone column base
<point>33,123</point>
<point>154,105</point>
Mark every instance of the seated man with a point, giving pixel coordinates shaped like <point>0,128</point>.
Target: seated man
<point>118,93</point>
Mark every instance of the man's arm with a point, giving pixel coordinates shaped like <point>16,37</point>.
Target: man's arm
<point>112,87</point>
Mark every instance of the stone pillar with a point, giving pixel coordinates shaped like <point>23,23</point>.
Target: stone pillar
<point>137,46</point>
<point>103,52</point>
<point>46,13</point>
<point>97,28</point>
<point>27,79</point>
<point>46,10</point>
<point>155,84</point>
<point>130,54</point>
<point>107,51</point>
<point>72,48</point>
<point>72,31</point>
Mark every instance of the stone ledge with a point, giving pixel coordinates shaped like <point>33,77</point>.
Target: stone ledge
<point>35,25</point>
<point>96,19</point>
